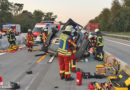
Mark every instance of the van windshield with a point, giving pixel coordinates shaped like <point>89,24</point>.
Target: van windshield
<point>37,30</point>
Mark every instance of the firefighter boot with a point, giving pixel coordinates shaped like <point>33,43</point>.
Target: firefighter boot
<point>69,79</point>
<point>62,77</point>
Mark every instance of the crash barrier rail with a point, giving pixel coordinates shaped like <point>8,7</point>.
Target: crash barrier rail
<point>108,58</point>
<point>123,36</point>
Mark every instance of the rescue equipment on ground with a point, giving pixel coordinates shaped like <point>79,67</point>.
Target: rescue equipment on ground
<point>121,81</point>
<point>88,75</point>
<point>1,79</point>
<point>13,48</point>
<point>109,68</point>
<point>79,77</point>
<point>99,86</point>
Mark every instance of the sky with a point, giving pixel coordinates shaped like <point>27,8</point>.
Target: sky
<point>80,11</point>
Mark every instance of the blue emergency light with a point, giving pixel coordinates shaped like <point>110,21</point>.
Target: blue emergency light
<point>10,25</point>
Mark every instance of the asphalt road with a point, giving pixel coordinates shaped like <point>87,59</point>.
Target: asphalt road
<point>119,48</point>
<point>45,76</point>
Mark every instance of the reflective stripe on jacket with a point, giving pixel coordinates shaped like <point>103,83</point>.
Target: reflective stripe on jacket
<point>100,41</point>
<point>66,45</point>
<point>44,37</point>
<point>11,37</point>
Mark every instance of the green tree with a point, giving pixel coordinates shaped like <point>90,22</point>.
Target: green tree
<point>5,12</point>
<point>126,3</point>
<point>38,15</point>
<point>49,16</point>
<point>116,6</point>
<point>104,19</point>
<point>17,8</point>
<point>25,19</point>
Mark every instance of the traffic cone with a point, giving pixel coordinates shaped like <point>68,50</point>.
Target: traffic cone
<point>1,79</point>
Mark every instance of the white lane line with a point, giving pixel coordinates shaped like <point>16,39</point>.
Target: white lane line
<point>34,78</point>
<point>118,42</point>
<point>52,58</point>
<point>2,54</point>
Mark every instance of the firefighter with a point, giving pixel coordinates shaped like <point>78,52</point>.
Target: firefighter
<point>29,39</point>
<point>11,39</point>
<point>99,45</point>
<point>44,36</point>
<point>92,44</point>
<point>65,52</point>
<point>7,33</point>
<point>73,59</point>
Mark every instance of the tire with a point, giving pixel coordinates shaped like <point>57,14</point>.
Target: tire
<point>82,48</point>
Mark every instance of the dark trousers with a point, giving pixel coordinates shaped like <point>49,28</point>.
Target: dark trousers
<point>100,53</point>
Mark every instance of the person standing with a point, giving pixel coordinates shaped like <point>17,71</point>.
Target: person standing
<point>44,35</point>
<point>29,39</point>
<point>11,38</point>
<point>64,52</point>
<point>74,50</point>
<point>99,45</point>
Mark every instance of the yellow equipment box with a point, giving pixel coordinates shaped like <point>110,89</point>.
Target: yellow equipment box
<point>121,81</point>
<point>100,69</point>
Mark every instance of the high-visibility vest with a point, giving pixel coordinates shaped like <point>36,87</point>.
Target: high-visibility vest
<point>11,37</point>
<point>64,45</point>
<point>44,36</point>
<point>100,41</point>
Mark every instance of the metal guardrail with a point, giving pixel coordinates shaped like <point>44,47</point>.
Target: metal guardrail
<point>125,36</point>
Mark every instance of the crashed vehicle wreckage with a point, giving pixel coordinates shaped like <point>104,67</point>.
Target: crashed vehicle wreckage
<point>53,40</point>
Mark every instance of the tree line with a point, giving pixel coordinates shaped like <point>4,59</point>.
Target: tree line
<point>13,13</point>
<point>115,19</point>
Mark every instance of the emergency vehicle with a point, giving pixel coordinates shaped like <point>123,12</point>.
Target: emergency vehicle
<point>92,26</point>
<point>39,26</point>
<point>16,28</point>
<point>0,35</point>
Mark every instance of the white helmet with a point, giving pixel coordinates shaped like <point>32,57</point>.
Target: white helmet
<point>45,29</point>
<point>97,30</point>
<point>29,30</point>
<point>90,36</point>
<point>69,28</point>
<point>83,31</point>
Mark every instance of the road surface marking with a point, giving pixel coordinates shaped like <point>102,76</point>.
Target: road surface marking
<point>118,42</point>
<point>38,61</point>
<point>52,58</point>
<point>116,38</point>
<point>34,78</point>
<point>2,53</point>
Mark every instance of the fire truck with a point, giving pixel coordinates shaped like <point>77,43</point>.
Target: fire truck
<point>92,26</point>
<point>15,27</point>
